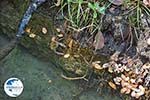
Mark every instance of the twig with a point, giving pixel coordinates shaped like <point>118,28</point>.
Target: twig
<point>58,53</point>
<point>74,78</point>
<point>80,29</point>
<point>121,32</point>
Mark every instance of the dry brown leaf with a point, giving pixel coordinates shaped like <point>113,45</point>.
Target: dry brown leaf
<point>112,85</point>
<point>28,30</point>
<point>70,43</point>
<point>99,41</point>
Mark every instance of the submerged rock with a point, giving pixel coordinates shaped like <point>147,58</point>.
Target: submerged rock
<point>4,51</point>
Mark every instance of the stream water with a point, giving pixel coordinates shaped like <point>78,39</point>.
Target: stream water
<point>41,79</point>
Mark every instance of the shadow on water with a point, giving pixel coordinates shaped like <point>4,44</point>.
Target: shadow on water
<point>41,79</point>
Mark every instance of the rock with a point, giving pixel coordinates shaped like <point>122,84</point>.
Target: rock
<point>4,51</point>
<point>9,22</point>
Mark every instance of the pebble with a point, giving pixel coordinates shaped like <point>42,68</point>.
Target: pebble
<point>49,81</point>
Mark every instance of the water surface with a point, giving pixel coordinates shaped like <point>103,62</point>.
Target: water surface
<point>41,79</point>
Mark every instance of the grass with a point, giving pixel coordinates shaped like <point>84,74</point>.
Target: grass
<point>83,13</point>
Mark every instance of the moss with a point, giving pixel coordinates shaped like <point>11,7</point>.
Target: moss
<point>79,61</point>
<point>9,24</point>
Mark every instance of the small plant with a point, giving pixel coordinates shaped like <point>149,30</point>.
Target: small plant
<point>84,14</point>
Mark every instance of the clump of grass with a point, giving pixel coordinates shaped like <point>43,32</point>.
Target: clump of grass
<point>84,14</point>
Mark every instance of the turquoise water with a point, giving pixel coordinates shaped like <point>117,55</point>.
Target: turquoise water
<point>42,80</point>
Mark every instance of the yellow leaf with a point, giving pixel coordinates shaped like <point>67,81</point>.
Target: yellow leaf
<point>97,66</point>
<point>112,85</point>
<point>123,90</point>
<point>28,30</point>
<point>110,70</point>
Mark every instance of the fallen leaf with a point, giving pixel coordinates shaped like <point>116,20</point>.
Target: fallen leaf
<point>58,3</point>
<point>112,85</point>
<point>146,66</point>
<point>97,62</point>
<point>146,2</point>
<point>70,43</point>
<point>28,30</point>
<point>60,35</point>
<point>106,65</point>
<point>32,35</point>
<point>76,56</point>
<point>58,30</point>
<point>97,66</point>
<point>99,41</point>
<point>44,30</point>
<point>66,55</point>
<point>123,90</point>
<point>53,39</point>
<point>148,40</point>
<point>110,69</point>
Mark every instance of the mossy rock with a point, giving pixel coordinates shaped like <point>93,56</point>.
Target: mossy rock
<point>11,14</point>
